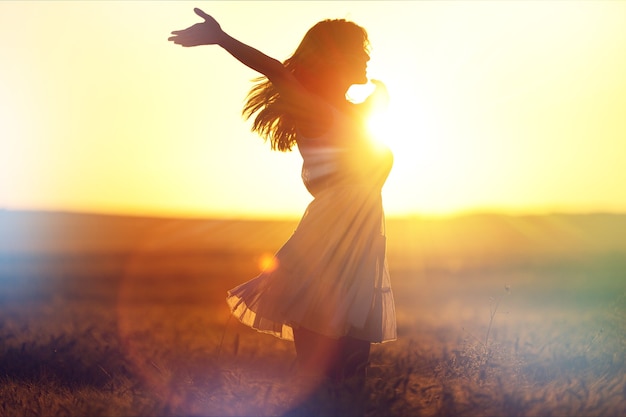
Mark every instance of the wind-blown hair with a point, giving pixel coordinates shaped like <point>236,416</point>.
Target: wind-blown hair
<point>312,63</point>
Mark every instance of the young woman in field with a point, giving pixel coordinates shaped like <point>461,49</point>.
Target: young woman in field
<point>329,290</point>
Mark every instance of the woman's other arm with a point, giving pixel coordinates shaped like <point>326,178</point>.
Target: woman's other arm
<point>378,100</point>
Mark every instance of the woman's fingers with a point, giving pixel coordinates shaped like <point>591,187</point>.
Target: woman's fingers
<point>204,33</point>
<point>181,38</point>
<point>201,13</point>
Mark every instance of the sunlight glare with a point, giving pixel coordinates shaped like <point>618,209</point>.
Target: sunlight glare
<point>357,93</point>
<point>268,262</point>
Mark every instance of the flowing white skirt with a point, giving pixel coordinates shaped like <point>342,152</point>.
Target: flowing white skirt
<point>330,277</point>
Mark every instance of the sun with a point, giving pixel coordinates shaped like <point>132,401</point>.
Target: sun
<point>389,120</point>
<point>381,125</point>
<point>423,163</point>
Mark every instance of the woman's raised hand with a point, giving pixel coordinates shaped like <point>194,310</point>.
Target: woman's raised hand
<point>208,32</point>
<point>379,99</point>
<point>380,92</point>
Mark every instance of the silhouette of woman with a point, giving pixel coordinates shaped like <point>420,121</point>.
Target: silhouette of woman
<point>329,290</point>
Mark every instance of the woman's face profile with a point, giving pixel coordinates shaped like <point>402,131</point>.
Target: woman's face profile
<point>352,66</point>
<point>359,62</point>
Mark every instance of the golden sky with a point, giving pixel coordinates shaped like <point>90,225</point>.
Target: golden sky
<point>516,107</point>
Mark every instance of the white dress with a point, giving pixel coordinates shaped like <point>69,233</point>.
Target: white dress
<point>331,276</point>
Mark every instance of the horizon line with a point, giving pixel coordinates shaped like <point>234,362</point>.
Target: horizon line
<point>278,218</point>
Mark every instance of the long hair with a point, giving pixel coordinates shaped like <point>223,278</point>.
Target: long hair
<point>311,64</point>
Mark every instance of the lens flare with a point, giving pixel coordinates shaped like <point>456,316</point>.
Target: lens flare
<point>268,262</point>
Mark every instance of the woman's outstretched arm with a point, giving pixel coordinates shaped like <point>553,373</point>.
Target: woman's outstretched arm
<point>209,32</point>
<point>306,107</point>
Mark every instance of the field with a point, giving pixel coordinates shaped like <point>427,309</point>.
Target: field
<point>497,315</point>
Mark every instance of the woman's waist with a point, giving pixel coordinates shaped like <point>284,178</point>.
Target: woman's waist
<point>342,185</point>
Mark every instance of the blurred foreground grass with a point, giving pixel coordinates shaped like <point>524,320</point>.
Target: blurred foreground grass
<point>146,331</point>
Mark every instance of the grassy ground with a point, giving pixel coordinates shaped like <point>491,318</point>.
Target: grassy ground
<point>148,333</point>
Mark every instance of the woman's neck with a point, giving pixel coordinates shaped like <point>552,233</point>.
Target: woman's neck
<point>335,97</point>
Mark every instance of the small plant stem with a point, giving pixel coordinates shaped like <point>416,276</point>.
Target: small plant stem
<point>493,314</point>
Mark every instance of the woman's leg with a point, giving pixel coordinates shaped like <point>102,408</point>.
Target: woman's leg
<point>343,361</point>
<point>317,355</point>
<point>355,357</point>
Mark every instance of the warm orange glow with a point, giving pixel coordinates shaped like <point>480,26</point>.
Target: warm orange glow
<point>499,106</point>
<point>268,262</point>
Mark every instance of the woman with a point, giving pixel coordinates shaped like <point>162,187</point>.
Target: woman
<point>329,290</point>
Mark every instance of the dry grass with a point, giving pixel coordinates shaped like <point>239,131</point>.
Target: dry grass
<point>147,332</point>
